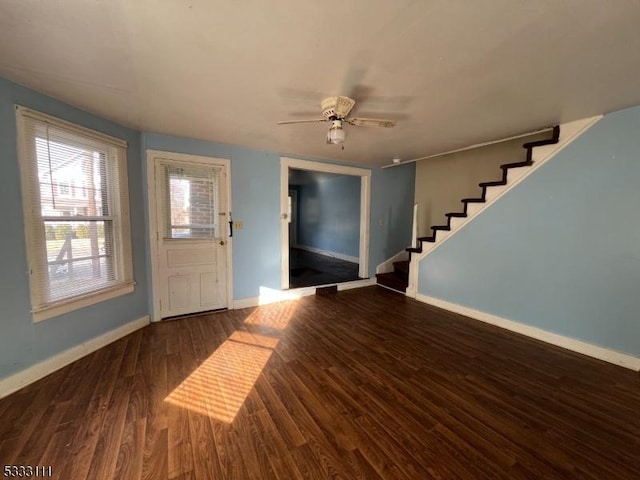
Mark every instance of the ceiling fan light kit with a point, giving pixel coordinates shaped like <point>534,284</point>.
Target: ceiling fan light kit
<point>336,133</point>
<point>335,110</point>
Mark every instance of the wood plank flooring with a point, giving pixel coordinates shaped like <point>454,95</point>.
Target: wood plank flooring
<point>308,269</point>
<point>361,384</point>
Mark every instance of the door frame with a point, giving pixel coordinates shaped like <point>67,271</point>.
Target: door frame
<point>365,207</point>
<point>294,216</point>
<point>152,156</point>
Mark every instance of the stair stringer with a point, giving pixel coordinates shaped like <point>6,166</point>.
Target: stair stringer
<point>540,155</point>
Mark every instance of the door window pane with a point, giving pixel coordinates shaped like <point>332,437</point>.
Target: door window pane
<point>192,195</point>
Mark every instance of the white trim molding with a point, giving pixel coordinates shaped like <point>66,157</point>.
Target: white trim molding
<point>41,369</point>
<point>365,206</point>
<point>595,351</point>
<point>82,301</point>
<point>268,295</point>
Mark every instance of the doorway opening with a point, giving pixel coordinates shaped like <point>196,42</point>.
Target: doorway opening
<point>325,223</point>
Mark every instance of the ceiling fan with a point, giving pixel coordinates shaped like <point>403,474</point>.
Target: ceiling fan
<point>336,110</point>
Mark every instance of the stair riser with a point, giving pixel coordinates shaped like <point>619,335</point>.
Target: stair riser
<point>494,192</point>
<point>441,235</point>
<point>514,174</point>
<point>473,208</point>
<point>403,275</point>
<point>401,271</point>
<point>391,282</point>
<point>456,222</point>
<point>540,153</point>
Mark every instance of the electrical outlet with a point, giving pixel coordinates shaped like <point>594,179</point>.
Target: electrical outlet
<point>238,225</point>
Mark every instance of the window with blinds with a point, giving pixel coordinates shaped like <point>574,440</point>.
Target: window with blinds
<point>76,209</point>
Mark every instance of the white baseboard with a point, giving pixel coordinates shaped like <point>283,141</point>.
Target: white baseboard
<point>387,265</point>
<point>391,289</point>
<point>247,302</point>
<point>365,282</point>
<point>327,253</point>
<point>595,351</point>
<point>41,369</point>
<point>268,295</point>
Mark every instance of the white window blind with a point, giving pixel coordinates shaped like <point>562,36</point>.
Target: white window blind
<point>191,201</point>
<point>76,209</point>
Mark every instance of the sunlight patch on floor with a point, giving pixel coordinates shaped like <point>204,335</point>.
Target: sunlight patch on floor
<point>276,316</point>
<point>220,385</point>
<point>271,295</point>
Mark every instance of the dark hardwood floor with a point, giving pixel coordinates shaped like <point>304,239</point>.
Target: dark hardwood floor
<point>360,384</point>
<point>307,269</point>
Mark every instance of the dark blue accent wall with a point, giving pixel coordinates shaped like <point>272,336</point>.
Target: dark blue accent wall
<point>329,215</point>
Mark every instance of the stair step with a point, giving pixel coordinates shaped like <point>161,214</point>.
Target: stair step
<point>550,141</point>
<point>455,214</point>
<point>393,281</point>
<point>473,200</point>
<point>446,228</point>
<point>401,267</point>
<point>427,239</point>
<point>413,249</point>
<point>507,166</point>
<point>492,184</point>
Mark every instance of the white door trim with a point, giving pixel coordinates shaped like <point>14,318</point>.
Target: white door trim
<point>152,155</point>
<point>365,207</point>
<point>293,221</point>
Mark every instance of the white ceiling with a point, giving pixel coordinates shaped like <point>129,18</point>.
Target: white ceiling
<point>452,73</point>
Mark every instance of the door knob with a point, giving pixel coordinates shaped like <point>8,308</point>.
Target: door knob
<point>221,242</point>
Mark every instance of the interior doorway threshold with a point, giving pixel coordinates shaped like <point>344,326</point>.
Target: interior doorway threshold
<point>304,291</point>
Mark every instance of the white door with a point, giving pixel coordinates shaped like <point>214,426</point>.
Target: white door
<point>191,219</point>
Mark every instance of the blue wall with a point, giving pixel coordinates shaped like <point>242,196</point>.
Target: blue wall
<point>23,343</point>
<point>255,191</point>
<point>392,197</point>
<point>329,215</point>
<point>561,251</point>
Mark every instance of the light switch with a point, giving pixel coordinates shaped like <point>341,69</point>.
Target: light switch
<point>381,222</point>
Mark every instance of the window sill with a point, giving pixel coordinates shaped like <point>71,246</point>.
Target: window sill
<point>81,302</point>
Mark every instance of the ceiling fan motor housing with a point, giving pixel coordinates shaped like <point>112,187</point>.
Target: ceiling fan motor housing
<point>334,108</point>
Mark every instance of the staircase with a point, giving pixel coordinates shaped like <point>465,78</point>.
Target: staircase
<point>398,280</point>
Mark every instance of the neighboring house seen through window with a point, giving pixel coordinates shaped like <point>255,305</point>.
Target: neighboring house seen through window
<point>78,239</point>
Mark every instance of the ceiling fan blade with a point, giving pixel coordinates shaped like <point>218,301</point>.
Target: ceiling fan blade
<point>315,120</point>
<point>371,122</point>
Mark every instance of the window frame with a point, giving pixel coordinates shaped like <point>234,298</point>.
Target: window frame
<point>34,221</point>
